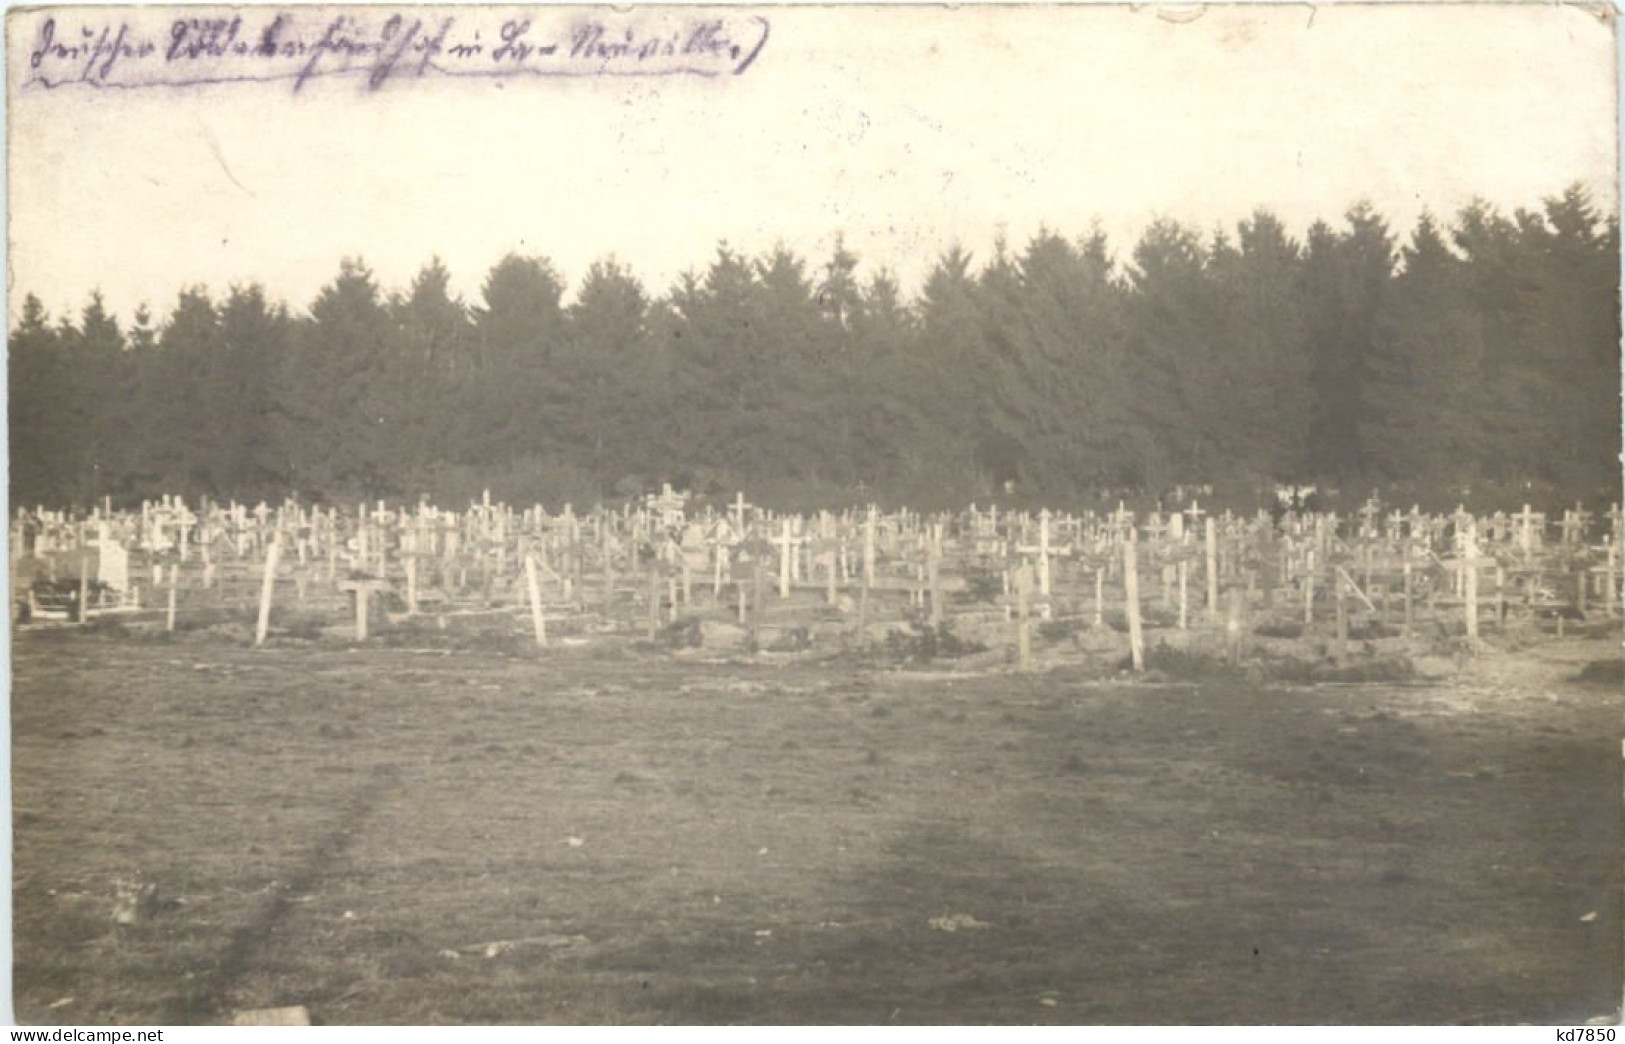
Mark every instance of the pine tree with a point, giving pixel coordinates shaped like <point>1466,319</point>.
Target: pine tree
<point>1423,416</point>
<point>1347,276</point>
<point>41,410</point>
<point>333,406</point>
<point>1260,320</point>
<point>603,399</point>
<point>245,458</point>
<point>429,369</point>
<point>176,390</point>
<point>1170,357</point>
<point>518,331</point>
<point>885,404</point>
<point>718,367</point>
<point>949,365</point>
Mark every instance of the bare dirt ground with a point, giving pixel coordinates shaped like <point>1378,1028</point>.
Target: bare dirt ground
<point>608,836</point>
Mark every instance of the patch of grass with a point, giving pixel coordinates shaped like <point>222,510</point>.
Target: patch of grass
<point>1058,630</point>
<point>304,626</point>
<point>792,639</point>
<point>105,625</point>
<point>1187,664</point>
<point>1603,672</point>
<point>682,634</point>
<point>925,643</point>
<point>1382,669</point>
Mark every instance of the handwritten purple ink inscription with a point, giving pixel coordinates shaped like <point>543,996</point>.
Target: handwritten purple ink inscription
<point>81,48</point>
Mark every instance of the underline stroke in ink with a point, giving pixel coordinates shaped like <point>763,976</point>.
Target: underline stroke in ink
<point>193,52</point>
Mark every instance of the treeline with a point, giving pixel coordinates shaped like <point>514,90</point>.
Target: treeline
<point>1481,350</point>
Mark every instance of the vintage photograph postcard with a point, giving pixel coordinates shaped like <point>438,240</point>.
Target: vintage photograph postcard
<point>894,515</point>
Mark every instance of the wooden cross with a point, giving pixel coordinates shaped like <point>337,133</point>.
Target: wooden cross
<point>1469,560</point>
<point>1044,550</point>
<point>788,544</point>
<point>1528,534</point>
<point>1194,513</point>
<point>1369,513</point>
<point>1582,520</point>
<point>669,504</point>
<point>184,522</point>
<point>737,510</point>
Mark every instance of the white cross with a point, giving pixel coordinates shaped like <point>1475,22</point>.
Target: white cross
<point>737,510</point>
<point>1582,519</point>
<point>1043,550</point>
<point>1526,531</point>
<point>787,543</point>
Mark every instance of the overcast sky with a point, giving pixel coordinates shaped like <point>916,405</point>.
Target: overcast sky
<point>903,129</point>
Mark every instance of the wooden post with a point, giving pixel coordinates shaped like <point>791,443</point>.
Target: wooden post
<point>1100,597</point>
<point>361,610</point>
<point>1340,646</point>
<point>84,585</point>
<point>1232,627</point>
<point>537,620</point>
<point>1184,581</point>
<point>1470,581</point>
<point>1309,593</point>
<point>1043,555</point>
<point>1611,578</point>
<point>758,587</point>
<point>609,573</point>
<point>795,553</point>
<point>1131,603</point>
<point>169,611</point>
<point>863,608</point>
<point>1024,625</point>
<point>869,549</point>
<point>1211,534</point>
<point>654,599</point>
<point>1410,608</point>
<point>267,586</point>
<point>933,566</point>
<point>784,558</point>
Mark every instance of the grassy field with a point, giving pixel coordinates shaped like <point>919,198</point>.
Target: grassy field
<point>608,836</point>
